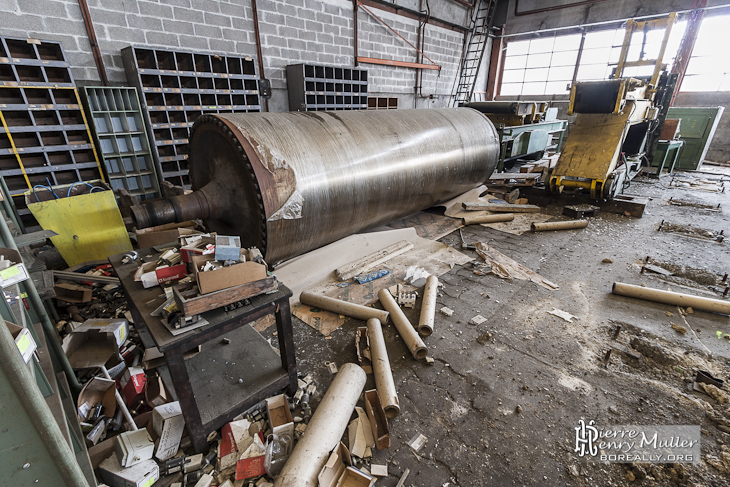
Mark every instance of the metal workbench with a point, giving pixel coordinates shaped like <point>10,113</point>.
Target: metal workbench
<point>207,385</point>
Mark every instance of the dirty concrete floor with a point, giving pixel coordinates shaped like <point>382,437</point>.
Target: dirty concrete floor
<point>502,410</point>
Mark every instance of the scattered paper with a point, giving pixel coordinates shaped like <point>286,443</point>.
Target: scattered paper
<point>562,314</point>
<point>428,225</point>
<point>506,268</point>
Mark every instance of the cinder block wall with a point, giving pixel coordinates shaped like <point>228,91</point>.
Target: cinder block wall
<point>292,31</point>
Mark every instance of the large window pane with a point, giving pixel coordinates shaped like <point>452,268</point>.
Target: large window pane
<point>561,73</point>
<point>515,62</point>
<point>538,60</point>
<point>515,48</point>
<point>564,58</point>
<point>538,74</point>
<point>556,87</point>
<point>702,82</point>
<point>513,75</point>
<point>533,88</point>
<point>510,89</point>
<point>567,43</point>
<point>538,46</point>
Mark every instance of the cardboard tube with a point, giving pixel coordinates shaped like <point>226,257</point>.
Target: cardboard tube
<point>669,297</point>
<point>543,227</point>
<point>428,306</point>
<point>475,219</point>
<point>343,307</point>
<point>405,329</point>
<point>324,430</point>
<point>381,369</point>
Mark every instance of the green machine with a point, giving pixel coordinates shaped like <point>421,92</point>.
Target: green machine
<point>696,129</point>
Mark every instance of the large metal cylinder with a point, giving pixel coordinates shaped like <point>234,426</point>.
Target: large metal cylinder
<point>291,182</point>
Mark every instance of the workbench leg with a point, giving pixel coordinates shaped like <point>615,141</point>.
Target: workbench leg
<point>286,344</point>
<point>188,405</point>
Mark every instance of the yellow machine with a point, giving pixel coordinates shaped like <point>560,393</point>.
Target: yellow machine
<point>613,120</point>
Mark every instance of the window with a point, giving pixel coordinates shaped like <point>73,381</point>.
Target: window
<point>540,66</point>
<point>545,66</point>
<point>709,65</point>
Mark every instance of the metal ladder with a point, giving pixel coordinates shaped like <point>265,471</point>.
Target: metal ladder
<point>474,47</point>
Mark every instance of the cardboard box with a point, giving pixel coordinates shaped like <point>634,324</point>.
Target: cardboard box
<point>101,451</point>
<point>168,423</point>
<point>23,340</point>
<point>144,474</point>
<point>162,234</point>
<point>90,348</point>
<point>119,328</point>
<point>339,472</point>
<point>95,391</point>
<point>155,392</point>
<point>133,447</point>
<point>234,275</point>
<point>196,248</point>
<point>132,385</point>
<point>73,293</point>
<point>150,275</point>
<point>280,418</point>
<point>15,271</point>
<point>227,247</point>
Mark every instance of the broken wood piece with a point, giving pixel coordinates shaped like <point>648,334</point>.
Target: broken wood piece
<point>670,297</point>
<point>405,329</point>
<point>325,429</point>
<point>428,306</point>
<point>366,263</point>
<point>378,420</point>
<point>500,207</point>
<point>403,478</point>
<point>474,220</point>
<point>343,307</point>
<point>381,369</point>
<point>564,225</point>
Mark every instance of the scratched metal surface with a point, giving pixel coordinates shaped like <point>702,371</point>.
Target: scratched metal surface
<point>321,176</point>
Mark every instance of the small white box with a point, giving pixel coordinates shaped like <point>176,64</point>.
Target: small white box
<point>168,423</point>
<point>280,417</point>
<point>144,474</point>
<point>133,447</point>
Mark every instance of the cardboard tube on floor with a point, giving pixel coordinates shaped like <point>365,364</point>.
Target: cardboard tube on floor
<point>476,219</point>
<point>405,329</point>
<point>381,369</point>
<point>325,429</point>
<point>343,307</point>
<point>669,297</point>
<point>547,226</point>
<point>428,306</point>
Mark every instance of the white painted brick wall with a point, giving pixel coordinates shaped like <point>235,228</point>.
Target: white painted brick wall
<point>292,31</point>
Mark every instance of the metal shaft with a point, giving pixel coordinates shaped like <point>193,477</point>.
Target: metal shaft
<point>291,182</point>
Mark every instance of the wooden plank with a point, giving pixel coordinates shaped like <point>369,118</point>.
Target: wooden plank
<point>403,478</point>
<point>369,261</point>
<point>506,207</point>
<point>206,302</point>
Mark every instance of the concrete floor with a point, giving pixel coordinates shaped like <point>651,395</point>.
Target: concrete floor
<point>502,410</point>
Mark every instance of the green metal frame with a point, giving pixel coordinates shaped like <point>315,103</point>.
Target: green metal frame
<point>666,155</point>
